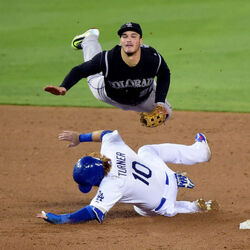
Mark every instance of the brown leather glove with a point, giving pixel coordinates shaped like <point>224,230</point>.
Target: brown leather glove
<point>157,117</point>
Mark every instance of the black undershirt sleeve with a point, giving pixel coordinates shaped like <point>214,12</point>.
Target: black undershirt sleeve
<point>163,81</point>
<point>82,71</point>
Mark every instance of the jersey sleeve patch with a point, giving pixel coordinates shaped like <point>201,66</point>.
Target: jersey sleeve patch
<point>108,194</point>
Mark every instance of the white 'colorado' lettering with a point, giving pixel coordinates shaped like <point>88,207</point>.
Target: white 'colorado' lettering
<point>129,83</point>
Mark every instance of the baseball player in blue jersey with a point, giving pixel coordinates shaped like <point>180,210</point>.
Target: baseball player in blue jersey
<point>142,179</point>
<point>124,76</point>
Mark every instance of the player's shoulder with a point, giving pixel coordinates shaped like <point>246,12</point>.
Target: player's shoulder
<point>148,49</point>
<point>149,53</point>
<point>115,50</point>
<point>99,57</point>
<point>112,137</point>
<point>112,55</point>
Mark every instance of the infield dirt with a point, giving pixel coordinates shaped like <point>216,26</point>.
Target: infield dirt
<point>36,174</point>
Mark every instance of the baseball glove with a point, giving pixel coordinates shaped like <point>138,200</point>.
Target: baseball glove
<point>157,117</point>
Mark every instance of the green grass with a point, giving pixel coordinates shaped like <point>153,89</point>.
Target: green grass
<point>210,73</point>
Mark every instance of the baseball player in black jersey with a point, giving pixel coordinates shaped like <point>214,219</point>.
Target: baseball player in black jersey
<point>123,76</point>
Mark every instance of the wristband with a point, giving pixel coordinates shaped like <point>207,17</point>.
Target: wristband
<point>85,137</point>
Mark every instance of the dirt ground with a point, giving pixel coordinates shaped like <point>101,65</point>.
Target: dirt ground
<point>36,174</point>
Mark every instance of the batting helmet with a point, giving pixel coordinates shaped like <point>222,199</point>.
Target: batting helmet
<point>88,172</point>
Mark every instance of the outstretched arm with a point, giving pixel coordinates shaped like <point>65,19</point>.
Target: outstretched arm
<point>76,74</point>
<point>76,137</point>
<point>84,214</point>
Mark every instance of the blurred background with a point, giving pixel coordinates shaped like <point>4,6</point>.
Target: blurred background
<point>205,44</point>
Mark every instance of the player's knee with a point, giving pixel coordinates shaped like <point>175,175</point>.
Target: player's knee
<point>145,149</point>
<point>95,93</point>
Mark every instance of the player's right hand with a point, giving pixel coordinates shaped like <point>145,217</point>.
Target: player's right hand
<point>71,136</point>
<point>55,90</point>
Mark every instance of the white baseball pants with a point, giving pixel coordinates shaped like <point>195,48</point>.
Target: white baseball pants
<point>178,154</point>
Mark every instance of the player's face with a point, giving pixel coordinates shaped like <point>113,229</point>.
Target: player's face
<point>130,42</point>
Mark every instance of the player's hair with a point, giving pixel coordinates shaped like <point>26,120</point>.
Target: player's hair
<point>105,161</point>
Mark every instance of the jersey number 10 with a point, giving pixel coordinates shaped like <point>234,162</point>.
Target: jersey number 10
<point>142,172</point>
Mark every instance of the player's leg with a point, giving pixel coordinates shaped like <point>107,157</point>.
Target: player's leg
<point>168,206</point>
<point>200,205</point>
<point>88,42</point>
<point>148,153</point>
<point>186,207</point>
<point>182,154</point>
<point>90,45</point>
<point>143,212</point>
<point>178,207</point>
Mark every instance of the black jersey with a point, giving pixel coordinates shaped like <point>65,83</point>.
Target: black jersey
<point>125,84</point>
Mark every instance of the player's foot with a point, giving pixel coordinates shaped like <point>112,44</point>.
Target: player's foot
<point>202,139</point>
<point>183,181</point>
<point>201,204</point>
<point>77,40</point>
<point>210,205</point>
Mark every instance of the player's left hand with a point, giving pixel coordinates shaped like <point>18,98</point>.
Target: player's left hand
<point>42,215</point>
<point>49,217</point>
<point>55,90</point>
<point>71,136</point>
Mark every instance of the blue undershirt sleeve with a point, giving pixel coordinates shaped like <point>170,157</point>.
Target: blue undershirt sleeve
<point>84,214</point>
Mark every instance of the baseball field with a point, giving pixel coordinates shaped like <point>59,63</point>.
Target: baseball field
<point>206,46</point>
